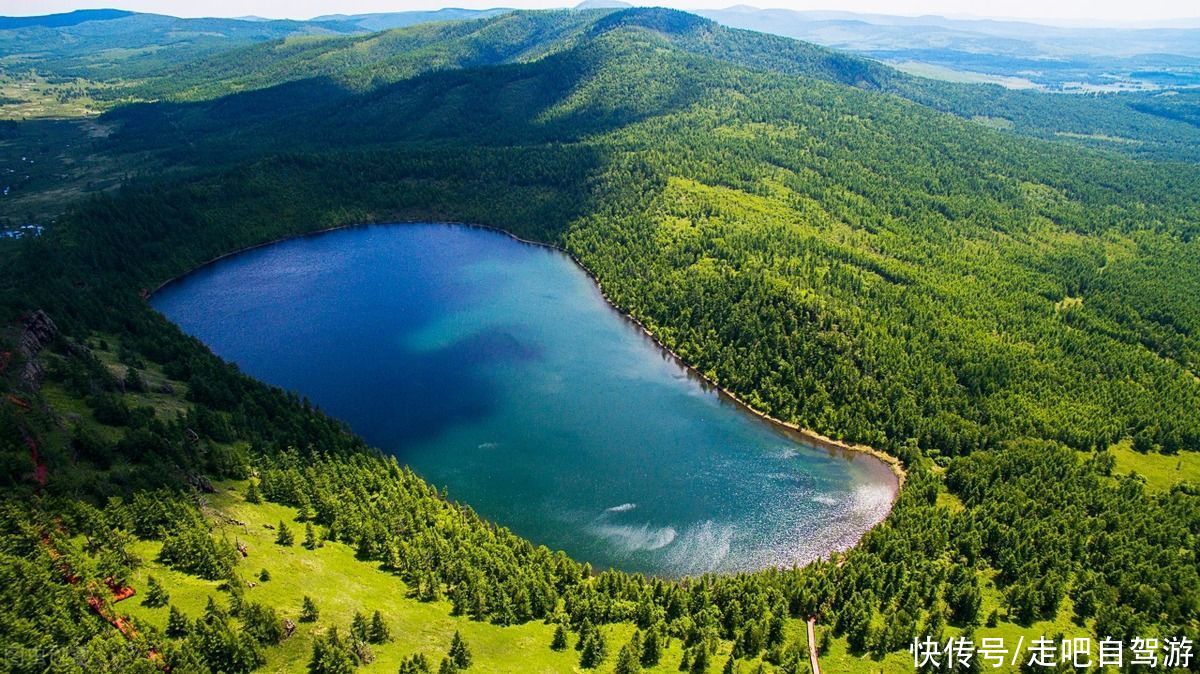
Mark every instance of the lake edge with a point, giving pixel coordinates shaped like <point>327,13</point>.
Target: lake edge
<point>882,463</point>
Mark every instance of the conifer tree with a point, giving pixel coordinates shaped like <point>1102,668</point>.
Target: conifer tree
<point>284,537</point>
<point>178,624</point>
<point>378,632</point>
<point>212,611</point>
<point>651,649</point>
<point>156,596</point>
<point>594,650</point>
<point>585,629</point>
<point>416,663</point>
<point>627,659</point>
<point>460,653</point>
<point>559,642</point>
<point>358,626</point>
<point>308,610</point>
<point>330,655</point>
<point>253,495</point>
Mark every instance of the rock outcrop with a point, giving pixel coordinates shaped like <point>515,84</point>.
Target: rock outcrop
<point>36,333</point>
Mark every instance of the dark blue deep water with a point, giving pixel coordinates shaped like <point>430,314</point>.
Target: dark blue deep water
<point>496,369</point>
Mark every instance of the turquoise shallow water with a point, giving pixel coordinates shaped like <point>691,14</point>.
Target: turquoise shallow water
<point>496,369</point>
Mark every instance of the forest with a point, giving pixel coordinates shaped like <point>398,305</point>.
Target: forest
<point>998,311</point>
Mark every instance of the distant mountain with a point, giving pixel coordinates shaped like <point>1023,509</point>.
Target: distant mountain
<point>277,76</point>
<point>112,45</point>
<point>366,61</point>
<point>62,20</point>
<point>602,4</point>
<point>389,20</point>
<point>1056,57</point>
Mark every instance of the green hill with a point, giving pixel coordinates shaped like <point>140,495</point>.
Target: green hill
<point>126,45</point>
<point>1138,124</point>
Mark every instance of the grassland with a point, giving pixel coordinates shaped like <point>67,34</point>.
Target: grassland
<point>1162,471</point>
<point>937,72</point>
<point>30,95</point>
<point>46,163</point>
<point>340,584</point>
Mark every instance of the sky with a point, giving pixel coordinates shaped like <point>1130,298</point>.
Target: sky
<point>1082,11</point>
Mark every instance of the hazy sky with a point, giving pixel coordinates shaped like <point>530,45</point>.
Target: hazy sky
<point>1108,11</point>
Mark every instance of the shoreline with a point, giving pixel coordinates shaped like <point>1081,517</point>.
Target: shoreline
<point>804,435</point>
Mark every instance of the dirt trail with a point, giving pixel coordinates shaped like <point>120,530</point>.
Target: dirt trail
<point>812,646</point>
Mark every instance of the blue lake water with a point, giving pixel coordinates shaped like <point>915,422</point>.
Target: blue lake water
<point>496,369</point>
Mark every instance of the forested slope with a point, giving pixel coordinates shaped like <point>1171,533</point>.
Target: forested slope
<point>1138,124</point>
<point>109,44</point>
<point>942,282</point>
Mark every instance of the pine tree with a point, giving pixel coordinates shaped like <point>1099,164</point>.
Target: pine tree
<point>156,596</point>
<point>134,381</point>
<point>447,666</point>
<point>627,659</point>
<point>730,666</point>
<point>963,596</point>
<point>699,660</point>
<point>264,576</point>
<point>177,623</point>
<point>559,642</point>
<point>594,650</point>
<point>358,626</point>
<point>416,663</point>
<point>460,654</point>
<point>585,629</point>
<point>212,611</point>
<point>222,647</point>
<point>310,536</point>
<point>379,632</point>
<point>308,610</point>
<point>284,537</point>
<point>935,624</point>
<point>392,557</point>
<point>330,655</point>
<point>253,495</point>
<point>651,649</point>
<point>635,642</point>
<point>261,622</point>
<point>236,587</point>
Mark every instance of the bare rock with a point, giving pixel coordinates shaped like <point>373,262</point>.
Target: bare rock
<point>37,330</point>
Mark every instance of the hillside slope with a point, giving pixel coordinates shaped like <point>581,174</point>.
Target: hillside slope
<point>102,45</point>
<point>1139,124</point>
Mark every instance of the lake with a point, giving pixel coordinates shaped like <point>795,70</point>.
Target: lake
<point>496,369</point>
